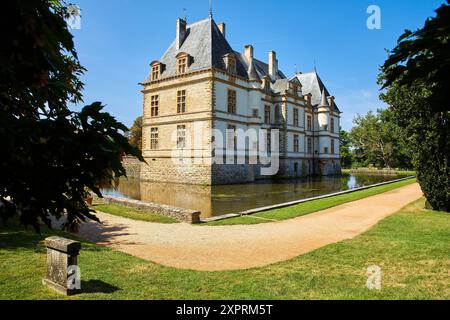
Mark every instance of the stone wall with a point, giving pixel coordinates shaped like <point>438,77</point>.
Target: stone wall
<point>180,214</point>
<point>176,171</point>
<point>132,166</point>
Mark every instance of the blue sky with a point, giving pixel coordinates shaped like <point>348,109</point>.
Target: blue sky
<point>119,38</point>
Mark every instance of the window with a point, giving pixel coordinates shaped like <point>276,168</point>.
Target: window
<point>296,143</point>
<point>255,113</point>
<point>154,106</point>
<point>269,141</point>
<point>181,101</point>
<point>310,151</point>
<point>332,126</point>
<point>182,64</point>
<point>154,138</point>
<point>231,101</point>
<point>309,123</point>
<point>231,68</point>
<point>231,137</point>
<point>181,137</point>
<point>294,88</point>
<point>156,70</point>
<point>332,146</point>
<point>266,84</point>
<point>325,150</point>
<point>295,117</point>
<point>267,114</point>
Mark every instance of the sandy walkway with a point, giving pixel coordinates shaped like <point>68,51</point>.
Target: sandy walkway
<point>240,247</point>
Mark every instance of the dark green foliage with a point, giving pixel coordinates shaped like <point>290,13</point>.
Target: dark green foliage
<point>377,141</point>
<point>344,148</point>
<point>51,156</point>
<point>416,76</point>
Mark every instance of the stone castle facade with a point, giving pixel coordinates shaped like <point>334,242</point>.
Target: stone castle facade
<point>201,86</point>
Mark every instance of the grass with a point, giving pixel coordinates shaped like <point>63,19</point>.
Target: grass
<point>309,207</point>
<point>379,171</point>
<point>412,248</point>
<point>132,213</point>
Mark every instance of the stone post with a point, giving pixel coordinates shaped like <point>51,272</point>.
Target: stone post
<point>62,265</point>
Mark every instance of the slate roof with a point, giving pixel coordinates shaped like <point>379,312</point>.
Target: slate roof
<point>311,83</point>
<point>206,45</point>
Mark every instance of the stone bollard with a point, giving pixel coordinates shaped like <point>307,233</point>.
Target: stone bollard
<point>62,266</point>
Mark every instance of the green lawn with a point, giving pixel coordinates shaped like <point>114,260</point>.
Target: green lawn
<point>412,247</point>
<point>132,213</point>
<point>378,171</point>
<point>309,207</point>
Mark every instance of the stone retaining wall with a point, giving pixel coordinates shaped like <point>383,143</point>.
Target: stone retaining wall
<point>180,214</point>
<point>132,167</point>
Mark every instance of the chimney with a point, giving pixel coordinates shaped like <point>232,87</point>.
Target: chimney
<point>273,63</point>
<point>248,52</point>
<point>181,32</point>
<point>222,29</point>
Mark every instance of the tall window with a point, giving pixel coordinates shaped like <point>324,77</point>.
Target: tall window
<point>269,141</point>
<point>182,65</point>
<point>231,68</point>
<point>154,106</point>
<point>309,145</point>
<point>181,101</point>
<point>181,137</point>
<point>309,123</point>
<point>296,143</point>
<point>156,69</point>
<point>332,126</point>
<point>154,138</point>
<point>267,114</point>
<point>231,101</point>
<point>332,146</point>
<point>231,137</point>
<point>295,117</point>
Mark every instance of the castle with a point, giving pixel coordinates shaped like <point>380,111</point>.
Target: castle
<point>201,82</point>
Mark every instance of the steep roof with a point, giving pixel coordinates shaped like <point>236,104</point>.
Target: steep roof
<point>206,45</point>
<point>311,83</point>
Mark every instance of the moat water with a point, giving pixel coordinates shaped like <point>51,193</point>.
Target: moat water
<point>219,200</point>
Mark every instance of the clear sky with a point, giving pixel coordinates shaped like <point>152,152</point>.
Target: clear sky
<point>119,38</point>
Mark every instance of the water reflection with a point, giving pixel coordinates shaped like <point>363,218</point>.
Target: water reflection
<point>218,200</point>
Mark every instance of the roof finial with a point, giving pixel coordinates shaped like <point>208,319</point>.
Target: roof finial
<point>315,67</point>
<point>210,9</point>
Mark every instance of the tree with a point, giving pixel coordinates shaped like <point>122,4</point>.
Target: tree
<point>51,157</point>
<point>346,155</point>
<point>377,140</point>
<point>416,79</point>
<point>135,133</point>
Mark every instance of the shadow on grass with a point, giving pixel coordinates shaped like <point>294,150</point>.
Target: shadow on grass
<point>97,286</point>
<point>14,236</point>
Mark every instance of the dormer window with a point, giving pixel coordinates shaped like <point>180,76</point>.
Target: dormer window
<point>182,63</point>
<point>266,85</point>
<point>230,63</point>
<point>295,88</point>
<point>156,69</point>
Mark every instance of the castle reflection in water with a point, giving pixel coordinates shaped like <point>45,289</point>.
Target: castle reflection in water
<point>218,200</point>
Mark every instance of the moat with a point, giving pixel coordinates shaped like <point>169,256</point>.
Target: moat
<point>218,200</point>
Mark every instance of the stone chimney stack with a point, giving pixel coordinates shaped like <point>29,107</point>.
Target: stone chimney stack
<point>181,32</point>
<point>273,63</point>
<point>222,29</point>
<point>248,52</point>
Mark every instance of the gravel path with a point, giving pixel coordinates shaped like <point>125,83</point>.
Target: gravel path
<point>245,246</point>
